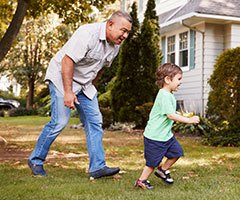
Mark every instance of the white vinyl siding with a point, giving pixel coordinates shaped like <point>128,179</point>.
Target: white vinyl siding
<point>232,36</point>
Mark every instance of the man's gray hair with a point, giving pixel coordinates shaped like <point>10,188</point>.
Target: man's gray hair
<point>123,14</point>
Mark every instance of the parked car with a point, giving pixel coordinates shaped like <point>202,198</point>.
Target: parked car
<point>7,104</point>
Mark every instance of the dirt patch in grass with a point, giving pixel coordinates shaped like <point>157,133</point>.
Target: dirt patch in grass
<point>14,154</point>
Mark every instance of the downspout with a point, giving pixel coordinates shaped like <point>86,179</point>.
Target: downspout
<point>203,48</point>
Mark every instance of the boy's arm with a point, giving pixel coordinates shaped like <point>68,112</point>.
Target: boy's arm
<point>180,118</point>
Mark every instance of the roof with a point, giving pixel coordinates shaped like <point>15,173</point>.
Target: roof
<point>210,7</point>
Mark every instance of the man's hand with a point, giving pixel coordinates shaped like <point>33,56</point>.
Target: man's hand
<point>69,100</point>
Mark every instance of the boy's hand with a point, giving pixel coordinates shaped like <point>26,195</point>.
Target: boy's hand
<point>194,120</point>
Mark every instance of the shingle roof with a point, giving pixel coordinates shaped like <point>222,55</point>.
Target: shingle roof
<point>214,7</point>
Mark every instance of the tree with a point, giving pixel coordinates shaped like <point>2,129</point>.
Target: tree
<point>28,60</point>
<point>14,27</point>
<point>224,98</point>
<point>127,92</point>
<point>150,51</point>
<point>71,11</point>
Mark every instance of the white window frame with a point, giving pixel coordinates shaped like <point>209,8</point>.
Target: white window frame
<point>173,51</point>
<point>177,48</point>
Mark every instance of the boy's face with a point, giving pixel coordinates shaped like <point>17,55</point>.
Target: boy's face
<point>175,83</point>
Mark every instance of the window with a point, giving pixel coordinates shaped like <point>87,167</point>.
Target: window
<point>180,49</point>
<point>171,49</point>
<point>183,49</point>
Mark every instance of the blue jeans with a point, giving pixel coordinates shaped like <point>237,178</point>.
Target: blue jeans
<point>91,118</point>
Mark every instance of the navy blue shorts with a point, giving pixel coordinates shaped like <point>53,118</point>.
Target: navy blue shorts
<point>154,151</point>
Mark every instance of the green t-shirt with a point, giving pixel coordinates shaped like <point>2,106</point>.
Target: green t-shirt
<point>159,125</point>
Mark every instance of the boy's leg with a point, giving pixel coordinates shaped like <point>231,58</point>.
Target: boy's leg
<point>59,118</point>
<point>174,152</point>
<point>147,171</point>
<point>169,163</point>
<point>142,182</point>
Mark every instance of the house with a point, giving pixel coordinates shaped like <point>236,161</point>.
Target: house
<point>194,33</point>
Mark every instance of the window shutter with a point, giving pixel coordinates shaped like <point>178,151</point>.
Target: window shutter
<point>192,49</point>
<point>163,47</point>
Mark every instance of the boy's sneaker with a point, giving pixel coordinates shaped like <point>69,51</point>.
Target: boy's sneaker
<point>143,184</point>
<point>164,175</point>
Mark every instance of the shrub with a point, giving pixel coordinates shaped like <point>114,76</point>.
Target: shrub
<point>22,112</point>
<point>200,129</point>
<point>223,100</point>
<point>104,99</point>
<point>107,117</point>
<point>223,137</point>
<point>143,114</point>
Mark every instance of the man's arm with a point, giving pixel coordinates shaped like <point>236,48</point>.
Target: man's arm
<point>67,76</point>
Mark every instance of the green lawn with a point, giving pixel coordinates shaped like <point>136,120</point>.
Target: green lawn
<point>204,173</point>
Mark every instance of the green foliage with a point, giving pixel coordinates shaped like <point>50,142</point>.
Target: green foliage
<point>150,51</point>
<point>223,137</point>
<point>104,99</point>
<point>143,112</point>
<point>127,92</point>
<point>223,101</point>
<point>38,41</point>
<point>200,129</point>
<point>108,75</point>
<point>70,11</point>
<point>107,116</point>
<point>1,113</point>
<point>224,98</point>
<point>6,14</point>
<point>22,112</point>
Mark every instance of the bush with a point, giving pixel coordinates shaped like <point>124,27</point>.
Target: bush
<point>107,117</point>
<point>223,137</point>
<point>22,112</point>
<point>104,99</point>
<point>200,129</point>
<point>143,114</point>
<point>223,100</point>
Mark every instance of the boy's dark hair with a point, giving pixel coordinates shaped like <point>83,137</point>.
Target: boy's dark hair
<point>167,69</point>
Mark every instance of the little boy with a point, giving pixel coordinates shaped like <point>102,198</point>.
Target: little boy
<point>159,140</point>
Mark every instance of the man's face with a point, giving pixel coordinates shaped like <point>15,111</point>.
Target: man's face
<point>118,30</point>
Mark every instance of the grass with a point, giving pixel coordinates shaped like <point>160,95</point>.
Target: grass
<point>204,173</point>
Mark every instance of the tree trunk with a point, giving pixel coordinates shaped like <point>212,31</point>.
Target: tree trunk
<point>29,104</point>
<point>14,27</point>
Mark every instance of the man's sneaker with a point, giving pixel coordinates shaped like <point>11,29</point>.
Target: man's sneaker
<point>164,175</point>
<point>105,171</point>
<point>37,170</point>
<point>143,184</point>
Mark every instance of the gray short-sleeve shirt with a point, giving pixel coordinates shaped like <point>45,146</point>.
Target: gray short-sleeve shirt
<point>90,51</point>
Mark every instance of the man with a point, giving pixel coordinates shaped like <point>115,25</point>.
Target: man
<point>71,74</point>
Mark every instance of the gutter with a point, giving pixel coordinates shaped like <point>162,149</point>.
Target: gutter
<point>195,14</point>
